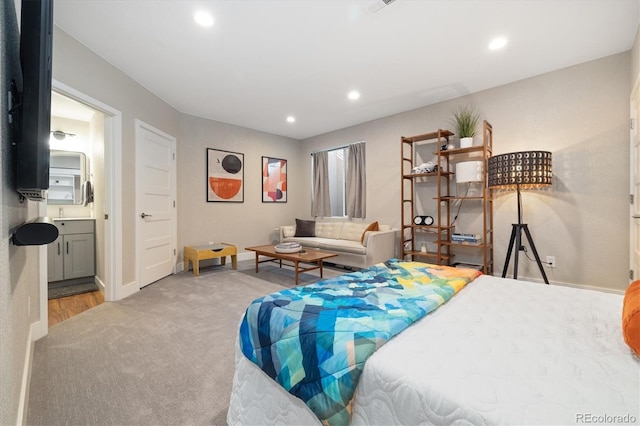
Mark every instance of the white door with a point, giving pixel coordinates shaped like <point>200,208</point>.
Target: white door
<point>635,184</point>
<point>155,204</point>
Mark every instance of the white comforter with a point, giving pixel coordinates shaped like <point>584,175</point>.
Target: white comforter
<point>500,352</point>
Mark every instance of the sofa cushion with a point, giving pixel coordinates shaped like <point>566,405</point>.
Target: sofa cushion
<point>372,227</point>
<point>305,228</point>
<point>328,229</point>
<point>344,246</point>
<point>288,231</point>
<point>312,242</point>
<point>352,231</point>
<point>365,239</point>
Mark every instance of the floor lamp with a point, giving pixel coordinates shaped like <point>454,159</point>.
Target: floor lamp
<point>520,170</point>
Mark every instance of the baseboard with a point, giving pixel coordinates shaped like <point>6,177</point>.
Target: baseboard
<point>100,284</point>
<point>247,255</point>
<point>26,376</point>
<point>564,284</point>
<point>127,290</point>
<point>587,287</point>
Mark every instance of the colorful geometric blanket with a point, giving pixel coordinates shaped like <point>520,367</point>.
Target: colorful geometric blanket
<point>314,340</point>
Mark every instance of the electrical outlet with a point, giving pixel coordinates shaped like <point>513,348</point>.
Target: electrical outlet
<point>551,261</point>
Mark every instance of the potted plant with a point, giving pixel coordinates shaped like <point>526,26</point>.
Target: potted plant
<point>465,122</point>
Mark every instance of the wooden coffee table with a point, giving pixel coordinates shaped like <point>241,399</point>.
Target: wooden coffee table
<point>195,254</point>
<point>310,256</point>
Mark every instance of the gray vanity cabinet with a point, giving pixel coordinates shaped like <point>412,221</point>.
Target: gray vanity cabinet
<point>72,254</point>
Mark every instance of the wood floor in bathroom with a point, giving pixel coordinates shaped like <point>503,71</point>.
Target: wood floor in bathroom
<point>67,307</point>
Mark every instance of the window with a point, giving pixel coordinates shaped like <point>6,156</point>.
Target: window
<point>330,179</point>
<point>337,181</point>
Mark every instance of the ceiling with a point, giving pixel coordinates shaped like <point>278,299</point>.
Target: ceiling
<point>64,107</point>
<point>264,60</point>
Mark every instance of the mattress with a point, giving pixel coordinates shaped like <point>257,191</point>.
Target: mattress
<point>500,352</point>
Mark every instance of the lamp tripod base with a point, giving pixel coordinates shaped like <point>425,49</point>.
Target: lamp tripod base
<point>516,241</point>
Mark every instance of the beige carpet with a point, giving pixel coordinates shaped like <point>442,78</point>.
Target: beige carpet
<point>163,356</point>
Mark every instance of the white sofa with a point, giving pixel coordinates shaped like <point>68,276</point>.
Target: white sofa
<point>344,239</point>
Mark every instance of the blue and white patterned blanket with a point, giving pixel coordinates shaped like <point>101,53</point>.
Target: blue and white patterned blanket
<point>314,340</point>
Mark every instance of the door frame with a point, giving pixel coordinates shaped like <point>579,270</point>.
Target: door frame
<point>634,169</point>
<point>139,126</point>
<point>112,206</point>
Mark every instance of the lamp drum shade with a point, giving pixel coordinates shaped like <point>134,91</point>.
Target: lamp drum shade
<point>469,171</point>
<point>524,169</point>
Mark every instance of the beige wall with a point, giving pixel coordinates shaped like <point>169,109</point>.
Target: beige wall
<point>18,265</point>
<point>79,68</point>
<point>635,58</point>
<point>580,114</point>
<point>243,224</point>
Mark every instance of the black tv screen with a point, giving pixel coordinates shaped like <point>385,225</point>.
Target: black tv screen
<point>32,147</point>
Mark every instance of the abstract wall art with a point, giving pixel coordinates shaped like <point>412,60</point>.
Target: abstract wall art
<point>225,176</point>
<point>274,180</point>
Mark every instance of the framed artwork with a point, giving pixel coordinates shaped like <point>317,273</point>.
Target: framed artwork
<point>274,180</point>
<point>225,176</point>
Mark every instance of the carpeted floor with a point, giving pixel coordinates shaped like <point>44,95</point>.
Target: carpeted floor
<point>163,356</point>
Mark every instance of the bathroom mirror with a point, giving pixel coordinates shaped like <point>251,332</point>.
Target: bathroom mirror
<point>68,171</point>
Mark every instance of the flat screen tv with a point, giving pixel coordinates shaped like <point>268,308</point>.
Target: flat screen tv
<point>34,110</point>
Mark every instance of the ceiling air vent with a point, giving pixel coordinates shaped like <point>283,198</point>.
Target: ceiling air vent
<point>378,5</point>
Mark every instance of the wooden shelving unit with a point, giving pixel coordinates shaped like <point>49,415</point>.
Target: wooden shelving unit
<point>436,185</point>
<point>410,208</point>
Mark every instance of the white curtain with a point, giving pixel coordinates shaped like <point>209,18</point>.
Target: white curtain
<point>356,181</point>
<point>321,203</point>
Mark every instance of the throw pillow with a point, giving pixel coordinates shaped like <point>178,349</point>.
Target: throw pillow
<point>305,228</point>
<point>631,316</point>
<point>372,227</point>
<point>288,231</point>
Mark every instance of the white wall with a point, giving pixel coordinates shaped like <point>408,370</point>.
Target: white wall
<point>243,224</point>
<point>581,115</point>
<point>18,265</point>
<point>79,68</point>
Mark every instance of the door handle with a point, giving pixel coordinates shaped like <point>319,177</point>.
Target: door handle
<point>143,215</point>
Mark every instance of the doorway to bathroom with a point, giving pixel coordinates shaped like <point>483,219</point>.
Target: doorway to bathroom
<point>101,199</point>
<point>76,187</point>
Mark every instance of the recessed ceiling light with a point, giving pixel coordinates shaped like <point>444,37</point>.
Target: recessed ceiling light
<point>497,43</point>
<point>291,119</point>
<point>203,18</point>
<point>353,95</point>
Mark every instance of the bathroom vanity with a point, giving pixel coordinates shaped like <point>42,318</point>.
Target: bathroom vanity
<point>72,254</point>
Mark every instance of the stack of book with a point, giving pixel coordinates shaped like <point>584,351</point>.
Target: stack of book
<point>466,238</point>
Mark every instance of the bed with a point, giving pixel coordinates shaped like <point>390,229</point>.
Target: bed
<point>499,351</point>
